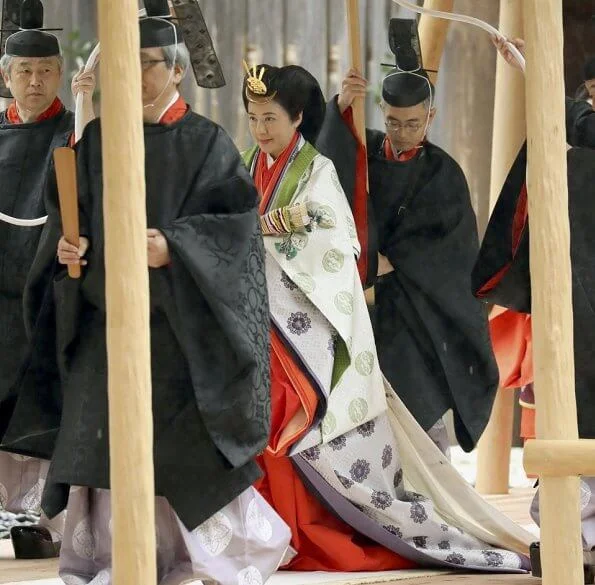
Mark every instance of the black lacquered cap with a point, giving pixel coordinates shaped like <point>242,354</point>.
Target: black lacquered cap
<point>404,89</point>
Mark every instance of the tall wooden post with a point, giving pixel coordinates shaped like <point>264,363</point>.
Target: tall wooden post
<point>551,284</point>
<point>127,297</point>
<point>357,62</point>
<point>432,35</point>
<point>493,456</point>
<point>509,108</point>
<point>359,105</point>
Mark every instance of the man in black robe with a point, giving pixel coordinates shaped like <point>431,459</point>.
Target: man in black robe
<point>34,124</point>
<point>431,334</point>
<point>501,274</point>
<point>209,335</point>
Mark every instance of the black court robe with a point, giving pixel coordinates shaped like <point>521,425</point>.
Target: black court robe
<point>580,123</point>
<point>25,161</point>
<point>431,334</point>
<point>209,331</point>
<point>501,274</point>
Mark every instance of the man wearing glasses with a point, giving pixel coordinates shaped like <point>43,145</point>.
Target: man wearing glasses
<point>432,336</point>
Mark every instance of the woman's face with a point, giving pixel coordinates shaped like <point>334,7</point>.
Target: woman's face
<point>271,127</point>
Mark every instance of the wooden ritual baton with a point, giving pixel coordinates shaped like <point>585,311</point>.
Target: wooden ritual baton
<point>357,62</point>
<point>359,120</point>
<point>65,162</point>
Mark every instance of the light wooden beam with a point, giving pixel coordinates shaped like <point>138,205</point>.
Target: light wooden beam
<point>560,458</point>
<point>493,450</point>
<point>561,547</point>
<point>493,457</point>
<point>509,108</point>
<point>432,35</point>
<point>356,62</point>
<point>127,297</point>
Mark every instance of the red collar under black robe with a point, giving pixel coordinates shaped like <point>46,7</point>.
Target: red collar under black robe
<point>175,112</point>
<point>402,156</point>
<point>13,116</point>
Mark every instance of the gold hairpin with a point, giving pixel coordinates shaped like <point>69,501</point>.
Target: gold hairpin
<point>256,89</point>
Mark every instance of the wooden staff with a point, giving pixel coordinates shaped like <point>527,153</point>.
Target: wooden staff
<point>127,297</point>
<point>65,163</point>
<point>357,62</point>
<point>359,104</point>
<point>561,550</point>
<point>432,35</point>
<point>493,457</point>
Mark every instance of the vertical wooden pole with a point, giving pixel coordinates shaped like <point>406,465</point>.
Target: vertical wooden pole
<point>357,62</point>
<point>509,108</point>
<point>561,551</point>
<point>359,105</point>
<point>493,457</point>
<point>432,35</point>
<point>127,297</point>
<point>493,450</point>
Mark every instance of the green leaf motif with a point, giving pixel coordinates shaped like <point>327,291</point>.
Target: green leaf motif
<point>344,303</point>
<point>329,424</point>
<point>358,410</point>
<point>333,261</point>
<point>364,363</point>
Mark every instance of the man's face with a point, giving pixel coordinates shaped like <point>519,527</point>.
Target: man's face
<point>158,81</point>
<point>34,82</point>
<point>407,127</point>
<point>590,85</point>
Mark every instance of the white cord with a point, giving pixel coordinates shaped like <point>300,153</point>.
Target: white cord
<point>468,20</point>
<point>173,67</point>
<point>171,103</point>
<point>23,222</point>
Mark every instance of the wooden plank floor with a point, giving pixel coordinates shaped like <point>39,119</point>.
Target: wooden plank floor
<point>515,505</point>
<point>23,571</point>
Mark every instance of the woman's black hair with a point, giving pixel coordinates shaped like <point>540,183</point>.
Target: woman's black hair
<point>296,91</point>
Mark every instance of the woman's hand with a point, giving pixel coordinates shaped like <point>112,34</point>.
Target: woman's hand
<point>157,249</point>
<point>69,254</point>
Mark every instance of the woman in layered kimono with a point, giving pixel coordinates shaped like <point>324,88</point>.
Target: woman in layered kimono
<point>344,455</point>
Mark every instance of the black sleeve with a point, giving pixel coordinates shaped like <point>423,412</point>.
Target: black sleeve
<point>501,273</point>
<point>219,291</point>
<point>580,123</point>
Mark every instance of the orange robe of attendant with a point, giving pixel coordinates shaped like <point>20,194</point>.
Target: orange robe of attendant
<point>323,542</point>
<point>512,342</point>
<point>511,331</point>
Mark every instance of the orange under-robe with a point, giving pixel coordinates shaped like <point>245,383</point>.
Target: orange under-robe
<point>323,542</point>
<point>511,331</point>
<point>512,342</point>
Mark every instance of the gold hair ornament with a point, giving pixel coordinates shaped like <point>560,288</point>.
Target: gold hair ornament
<point>256,89</point>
